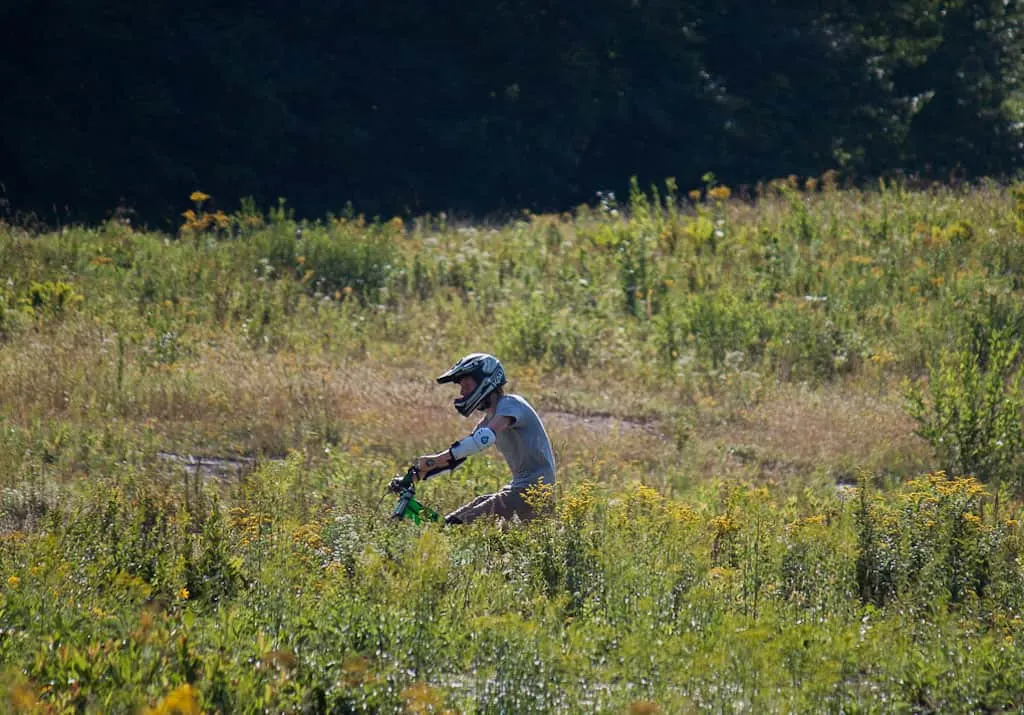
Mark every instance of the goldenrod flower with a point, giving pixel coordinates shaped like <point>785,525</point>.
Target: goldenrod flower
<point>23,699</point>
<point>540,496</point>
<point>183,700</point>
<point>724,524</point>
<point>421,698</point>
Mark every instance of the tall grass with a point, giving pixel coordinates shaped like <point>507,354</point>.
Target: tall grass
<point>710,369</point>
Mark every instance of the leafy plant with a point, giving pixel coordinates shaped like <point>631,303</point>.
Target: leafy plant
<point>51,298</point>
<point>345,258</point>
<point>969,410</point>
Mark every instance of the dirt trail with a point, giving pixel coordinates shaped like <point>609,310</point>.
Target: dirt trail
<point>211,467</point>
<point>602,424</point>
<point>233,467</point>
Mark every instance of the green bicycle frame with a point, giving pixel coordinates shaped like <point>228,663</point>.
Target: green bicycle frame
<point>409,508</point>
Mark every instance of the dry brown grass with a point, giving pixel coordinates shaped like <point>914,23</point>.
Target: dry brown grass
<point>229,400</point>
<point>833,430</point>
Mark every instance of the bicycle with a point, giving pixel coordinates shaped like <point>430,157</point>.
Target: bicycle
<point>408,507</point>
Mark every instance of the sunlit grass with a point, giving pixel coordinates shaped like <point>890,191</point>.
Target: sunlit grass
<point>740,523</point>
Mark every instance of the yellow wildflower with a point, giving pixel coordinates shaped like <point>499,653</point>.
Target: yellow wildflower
<point>183,700</point>
<point>23,699</point>
<point>724,524</point>
<point>576,506</point>
<point>540,497</point>
<point>198,196</point>
<point>13,581</point>
<point>421,698</point>
<point>720,193</point>
<point>355,672</point>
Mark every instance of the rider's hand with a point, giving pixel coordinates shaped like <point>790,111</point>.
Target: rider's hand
<point>395,485</point>
<point>423,465</point>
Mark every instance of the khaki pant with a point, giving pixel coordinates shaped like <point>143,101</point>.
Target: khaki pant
<point>503,503</point>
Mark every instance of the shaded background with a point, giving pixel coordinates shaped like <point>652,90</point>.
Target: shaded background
<point>478,108</point>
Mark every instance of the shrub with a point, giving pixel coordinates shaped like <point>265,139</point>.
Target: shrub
<point>807,343</point>
<point>970,409</point>
<point>534,332</point>
<point>51,298</point>
<point>346,258</point>
<point>931,544</point>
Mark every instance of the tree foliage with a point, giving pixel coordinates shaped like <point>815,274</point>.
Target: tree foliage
<point>397,107</point>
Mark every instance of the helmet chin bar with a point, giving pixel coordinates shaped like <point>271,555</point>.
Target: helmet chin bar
<point>482,405</point>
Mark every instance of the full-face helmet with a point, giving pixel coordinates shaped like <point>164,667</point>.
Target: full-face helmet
<point>488,373</point>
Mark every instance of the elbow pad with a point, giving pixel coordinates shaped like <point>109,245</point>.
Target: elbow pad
<point>476,442</point>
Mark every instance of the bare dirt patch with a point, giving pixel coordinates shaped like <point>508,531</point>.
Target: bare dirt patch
<point>832,429</point>
<point>599,424</point>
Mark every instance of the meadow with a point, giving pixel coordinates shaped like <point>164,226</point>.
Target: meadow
<point>787,424</point>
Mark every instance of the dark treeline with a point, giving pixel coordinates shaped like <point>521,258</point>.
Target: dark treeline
<point>411,107</point>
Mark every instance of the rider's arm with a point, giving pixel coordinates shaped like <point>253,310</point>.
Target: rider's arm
<point>442,460</point>
<point>500,423</point>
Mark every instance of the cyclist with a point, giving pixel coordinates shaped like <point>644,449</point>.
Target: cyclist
<point>511,423</point>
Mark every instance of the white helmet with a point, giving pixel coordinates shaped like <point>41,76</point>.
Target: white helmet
<point>488,373</point>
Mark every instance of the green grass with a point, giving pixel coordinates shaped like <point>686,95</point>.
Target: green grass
<point>746,517</point>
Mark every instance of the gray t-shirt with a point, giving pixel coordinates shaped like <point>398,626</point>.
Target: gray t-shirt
<point>525,444</point>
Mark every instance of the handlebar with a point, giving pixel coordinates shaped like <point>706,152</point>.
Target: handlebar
<point>412,475</point>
